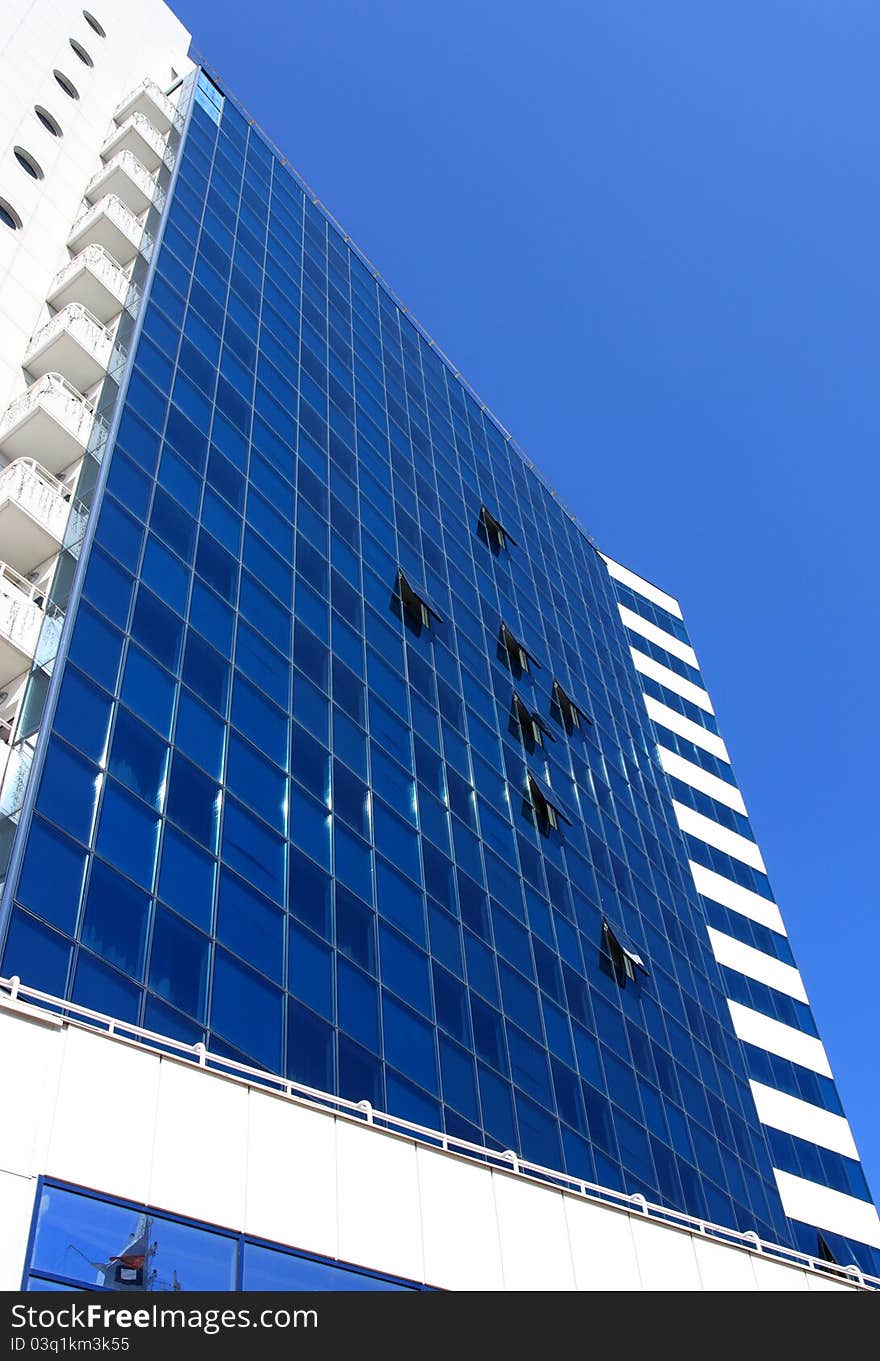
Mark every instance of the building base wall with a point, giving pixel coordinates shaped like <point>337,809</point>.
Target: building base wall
<point>103,1112</point>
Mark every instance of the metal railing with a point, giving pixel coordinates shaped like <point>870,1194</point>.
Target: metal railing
<point>151,89</point>
<point>136,171</point>
<point>121,216</point>
<point>10,578</point>
<point>80,323</point>
<point>23,470</point>
<point>75,410</point>
<point>507,1161</point>
<point>144,128</point>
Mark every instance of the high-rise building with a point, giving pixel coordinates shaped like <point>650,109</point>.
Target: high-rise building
<point>369,843</point>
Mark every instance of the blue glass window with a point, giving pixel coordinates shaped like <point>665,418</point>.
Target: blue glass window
<point>186,878</point>
<point>250,925</point>
<point>179,964</point>
<point>115,919</point>
<point>52,876</point>
<point>194,802</point>
<point>138,758</point>
<point>128,834</point>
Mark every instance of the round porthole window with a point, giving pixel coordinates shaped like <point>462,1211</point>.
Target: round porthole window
<point>67,85</point>
<point>48,121</point>
<point>9,217</point>
<point>93,24</point>
<point>27,163</point>
<point>81,53</point>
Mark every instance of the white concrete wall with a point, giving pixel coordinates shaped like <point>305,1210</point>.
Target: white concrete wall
<point>203,1145</point>
<point>143,39</point>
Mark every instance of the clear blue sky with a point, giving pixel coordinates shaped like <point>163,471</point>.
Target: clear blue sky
<point>647,234</point>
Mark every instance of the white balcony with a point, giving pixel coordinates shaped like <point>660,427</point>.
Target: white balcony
<point>149,100</point>
<point>21,619</point>
<point>111,225</point>
<point>129,179</point>
<point>34,509</point>
<point>72,343</point>
<point>50,421</point>
<point>93,279</point>
<point>137,135</point>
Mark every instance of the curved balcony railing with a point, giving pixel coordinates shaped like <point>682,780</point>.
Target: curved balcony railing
<point>144,183</point>
<point>122,222</point>
<point>147,98</point>
<point>67,406</point>
<point>79,322</point>
<point>34,514</point>
<point>136,130</point>
<point>73,342</point>
<point>99,263</point>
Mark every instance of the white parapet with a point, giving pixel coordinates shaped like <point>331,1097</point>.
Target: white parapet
<point>235,1149</point>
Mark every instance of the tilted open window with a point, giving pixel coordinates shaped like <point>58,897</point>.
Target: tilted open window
<point>624,956</point>
<point>572,714</point>
<point>532,725</point>
<point>520,657</point>
<point>496,535</point>
<point>416,602</point>
<point>546,804</point>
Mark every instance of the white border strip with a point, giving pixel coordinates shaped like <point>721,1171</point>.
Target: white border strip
<point>828,1209</point>
<point>803,1120</point>
<point>706,829</point>
<point>642,587</point>
<point>739,899</point>
<point>667,641</point>
<point>671,680</point>
<point>752,963</point>
<point>685,727</point>
<point>765,1032</point>
<point>698,778</point>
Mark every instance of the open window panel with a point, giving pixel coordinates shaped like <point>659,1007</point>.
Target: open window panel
<point>532,725</point>
<point>416,602</point>
<point>547,805</point>
<point>628,963</point>
<point>824,1250</point>
<point>572,714</point>
<point>496,535</point>
<point>520,657</point>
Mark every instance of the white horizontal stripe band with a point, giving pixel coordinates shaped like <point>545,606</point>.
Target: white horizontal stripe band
<point>642,587</point>
<point>745,959</point>
<point>753,1027</point>
<point>803,1120</point>
<point>672,680</point>
<point>827,1209</point>
<point>667,641</point>
<point>698,778</point>
<point>737,898</point>
<point>706,829</point>
<point>685,727</point>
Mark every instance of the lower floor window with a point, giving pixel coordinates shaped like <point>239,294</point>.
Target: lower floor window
<point>84,1241</point>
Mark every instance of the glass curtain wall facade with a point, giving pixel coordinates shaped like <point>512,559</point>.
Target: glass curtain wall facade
<point>346,769</point>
